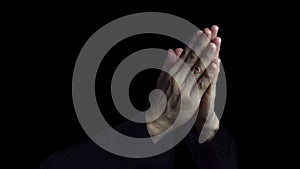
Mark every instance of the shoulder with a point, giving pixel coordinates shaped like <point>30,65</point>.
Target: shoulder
<point>75,156</point>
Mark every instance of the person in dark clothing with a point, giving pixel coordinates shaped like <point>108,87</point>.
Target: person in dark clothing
<point>208,144</point>
<point>219,153</point>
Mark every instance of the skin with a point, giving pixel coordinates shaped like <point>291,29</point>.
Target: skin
<point>202,52</point>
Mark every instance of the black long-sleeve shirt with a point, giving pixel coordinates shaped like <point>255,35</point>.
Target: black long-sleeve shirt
<point>219,153</point>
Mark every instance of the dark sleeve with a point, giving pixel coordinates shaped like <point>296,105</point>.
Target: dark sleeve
<point>71,157</point>
<point>219,153</point>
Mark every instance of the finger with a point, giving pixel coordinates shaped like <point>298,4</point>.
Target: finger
<point>192,43</point>
<point>168,63</point>
<point>203,40</point>
<point>171,52</point>
<point>214,31</point>
<point>182,70</point>
<point>202,43</point>
<point>204,82</point>
<point>170,60</point>
<point>178,52</point>
<point>208,55</point>
<point>187,67</point>
<point>199,42</point>
<point>190,82</point>
<point>217,42</point>
<point>192,78</point>
<point>176,69</point>
<point>215,78</point>
<point>208,97</point>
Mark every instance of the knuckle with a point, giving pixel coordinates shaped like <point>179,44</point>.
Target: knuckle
<point>192,58</point>
<point>212,45</point>
<point>199,32</point>
<point>185,52</point>
<point>203,83</point>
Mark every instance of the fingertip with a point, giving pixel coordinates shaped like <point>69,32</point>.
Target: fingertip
<point>215,27</point>
<point>171,52</point>
<point>207,31</point>
<point>218,40</point>
<point>178,51</point>
<point>214,32</point>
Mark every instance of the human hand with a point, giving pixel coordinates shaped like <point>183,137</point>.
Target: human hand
<point>206,45</point>
<point>207,123</point>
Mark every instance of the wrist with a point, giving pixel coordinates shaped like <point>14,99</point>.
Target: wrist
<point>208,128</point>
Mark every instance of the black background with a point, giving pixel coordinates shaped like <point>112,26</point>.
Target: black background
<point>48,40</point>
